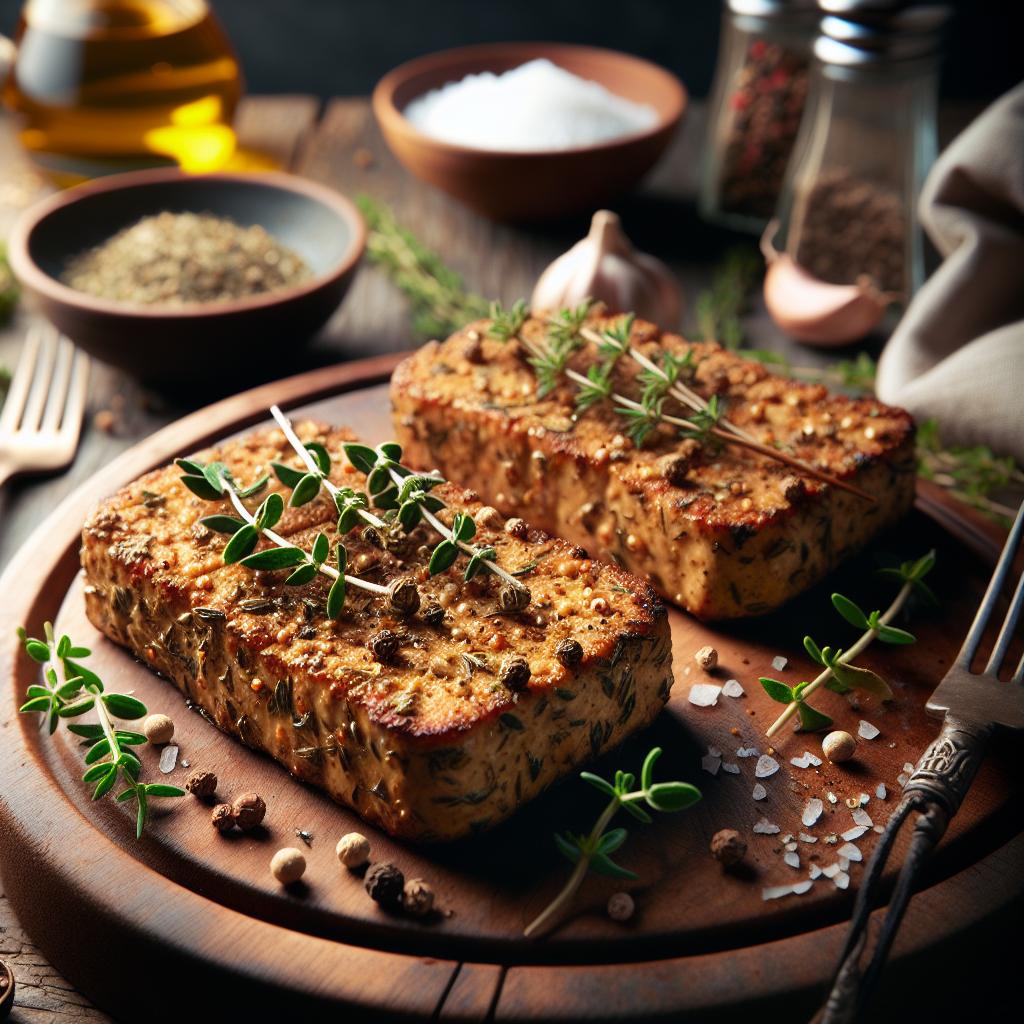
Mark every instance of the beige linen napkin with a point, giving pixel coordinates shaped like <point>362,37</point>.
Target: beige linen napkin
<point>958,353</point>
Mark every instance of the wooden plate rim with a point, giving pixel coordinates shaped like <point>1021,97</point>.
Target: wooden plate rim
<point>160,918</point>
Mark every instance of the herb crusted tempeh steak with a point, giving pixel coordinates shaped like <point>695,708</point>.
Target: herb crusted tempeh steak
<point>721,531</point>
<point>430,742</point>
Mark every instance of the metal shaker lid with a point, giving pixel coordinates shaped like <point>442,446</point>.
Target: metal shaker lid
<point>862,33</point>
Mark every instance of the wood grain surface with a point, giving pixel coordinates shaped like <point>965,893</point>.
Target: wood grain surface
<point>343,148</point>
<point>694,935</point>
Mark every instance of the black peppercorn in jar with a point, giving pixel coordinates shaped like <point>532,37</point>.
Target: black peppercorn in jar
<point>757,102</point>
<point>847,211</point>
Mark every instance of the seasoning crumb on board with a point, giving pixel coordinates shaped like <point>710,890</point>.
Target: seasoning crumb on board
<point>621,906</point>
<point>417,898</point>
<point>288,865</point>
<point>201,784</point>
<point>707,658</point>
<point>728,847</point>
<point>222,818</point>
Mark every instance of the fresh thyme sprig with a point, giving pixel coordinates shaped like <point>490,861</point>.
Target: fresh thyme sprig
<point>592,852</point>
<point>720,307</point>
<point>438,297</point>
<point>550,360</point>
<point>406,494</point>
<point>839,674</point>
<point>70,690</point>
<point>213,482</point>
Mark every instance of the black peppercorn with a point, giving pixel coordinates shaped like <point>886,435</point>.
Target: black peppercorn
<point>433,615</point>
<point>384,645</point>
<point>569,652</point>
<point>385,885</point>
<point>513,598</point>
<point>223,818</point>
<point>514,672</point>
<point>404,596</point>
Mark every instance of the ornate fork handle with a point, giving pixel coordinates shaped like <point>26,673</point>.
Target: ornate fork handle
<point>936,789</point>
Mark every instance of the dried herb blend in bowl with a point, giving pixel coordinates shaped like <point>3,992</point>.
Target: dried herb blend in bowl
<point>178,259</point>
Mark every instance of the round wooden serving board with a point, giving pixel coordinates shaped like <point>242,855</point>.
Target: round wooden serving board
<point>197,916</point>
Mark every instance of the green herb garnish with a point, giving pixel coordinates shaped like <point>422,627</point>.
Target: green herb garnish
<point>592,852</point>
<point>70,690</point>
<point>839,674</point>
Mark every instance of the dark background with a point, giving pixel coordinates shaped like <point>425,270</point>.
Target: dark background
<point>341,47</point>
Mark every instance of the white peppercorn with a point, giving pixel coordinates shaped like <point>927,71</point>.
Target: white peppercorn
<point>707,658</point>
<point>620,906</point>
<point>417,898</point>
<point>288,865</point>
<point>158,729</point>
<point>353,850</point>
<point>838,746</point>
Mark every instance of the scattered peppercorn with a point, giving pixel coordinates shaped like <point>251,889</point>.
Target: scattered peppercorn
<point>620,906</point>
<point>489,518</point>
<point>728,847</point>
<point>201,785</point>
<point>516,527</point>
<point>384,645</point>
<point>385,885</point>
<point>433,615</point>
<point>223,817</point>
<point>353,850</point>
<point>404,596</point>
<point>514,672</point>
<point>417,898</point>
<point>838,746</point>
<point>158,729</point>
<point>513,598</point>
<point>569,652</point>
<point>249,811</point>
<point>675,469</point>
<point>288,865</point>
<point>707,658</point>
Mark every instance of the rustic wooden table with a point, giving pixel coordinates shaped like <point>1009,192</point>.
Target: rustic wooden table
<point>340,145</point>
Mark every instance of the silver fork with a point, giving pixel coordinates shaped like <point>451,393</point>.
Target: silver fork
<point>42,415</point>
<point>973,707</point>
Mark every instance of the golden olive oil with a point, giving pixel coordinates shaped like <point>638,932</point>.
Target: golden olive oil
<point>105,85</point>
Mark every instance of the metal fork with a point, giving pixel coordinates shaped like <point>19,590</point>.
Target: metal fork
<point>42,415</point>
<point>973,706</point>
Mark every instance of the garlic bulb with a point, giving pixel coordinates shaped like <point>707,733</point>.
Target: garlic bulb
<point>605,267</point>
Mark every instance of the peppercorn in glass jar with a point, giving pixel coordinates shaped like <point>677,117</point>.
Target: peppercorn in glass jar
<point>756,103</point>
<point>847,212</point>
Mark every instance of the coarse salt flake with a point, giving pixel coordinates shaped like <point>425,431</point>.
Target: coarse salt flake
<point>704,695</point>
<point>854,833</point>
<point>867,731</point>
<point>861,817</point>
<point>774,892</point>
<point>812,812</point>
<point>732,688</point>
<point>747,752</point>
<point>850,852</point>
<point>759,792</point>
<point>732,769</point>
<point>765,766</point>
<point>168,758</point>
<point>792,858</point>
<point>711,764</point>
<point>779,662</point>
<point>805,760</point>
<point>815,872</point>
<point>766,828</point>
<point>880,791</point>
<point>842,880</point>
<point>830,870</point>
<point>832,798</point>
<point>805,838</point>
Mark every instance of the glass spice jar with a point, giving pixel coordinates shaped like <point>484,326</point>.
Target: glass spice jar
<point>757,100</point>
<point>868,138</point>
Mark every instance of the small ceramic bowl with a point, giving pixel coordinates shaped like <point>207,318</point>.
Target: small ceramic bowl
<point>511,185</point>
<point>177,343</point>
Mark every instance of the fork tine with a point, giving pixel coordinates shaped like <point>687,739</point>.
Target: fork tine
<point>988,604</point>
<point>71,425</point>
<point>41,384</point>
<point>23,377</point>
<point>58,386</point>
<point>995,661</point>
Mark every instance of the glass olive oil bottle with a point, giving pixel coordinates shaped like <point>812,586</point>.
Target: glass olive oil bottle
<point>107,85</point>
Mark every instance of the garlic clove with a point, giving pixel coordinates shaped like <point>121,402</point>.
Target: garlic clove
<point>816,312</point>
<point>605,267</point>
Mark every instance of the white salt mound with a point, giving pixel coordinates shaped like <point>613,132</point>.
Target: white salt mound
<point>536,106</point>
<point>704,695</point>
